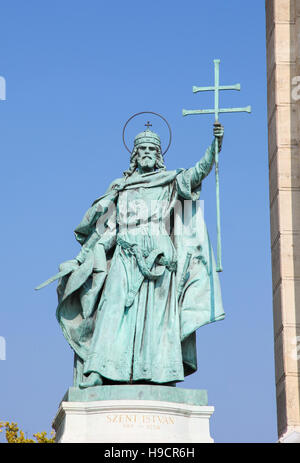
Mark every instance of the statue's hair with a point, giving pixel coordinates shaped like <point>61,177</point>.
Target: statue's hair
<point>133,161</point>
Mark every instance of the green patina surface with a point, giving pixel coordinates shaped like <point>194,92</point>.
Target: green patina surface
<point>143,282</point>
<point>137,392</point>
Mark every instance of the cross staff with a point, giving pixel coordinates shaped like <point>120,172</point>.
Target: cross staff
<point>216,111</point>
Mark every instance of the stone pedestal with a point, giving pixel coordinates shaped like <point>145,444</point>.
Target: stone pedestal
<point>134,414</point>
<point>290,437</point>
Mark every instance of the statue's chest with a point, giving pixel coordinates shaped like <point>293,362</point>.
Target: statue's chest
<point>145,194</point>
<point>142,202</point>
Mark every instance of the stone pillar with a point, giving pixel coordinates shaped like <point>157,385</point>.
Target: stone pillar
<point>283,65</point>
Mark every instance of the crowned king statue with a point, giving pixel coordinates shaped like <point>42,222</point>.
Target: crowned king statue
<point>145,278</point>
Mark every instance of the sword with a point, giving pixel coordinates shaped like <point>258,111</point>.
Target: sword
<point>55,277</point>
<point>91,241</point>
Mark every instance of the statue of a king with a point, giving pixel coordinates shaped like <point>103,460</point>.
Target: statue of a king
<point>145,278</point>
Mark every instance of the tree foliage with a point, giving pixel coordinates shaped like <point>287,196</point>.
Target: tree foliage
<point>15,436</point>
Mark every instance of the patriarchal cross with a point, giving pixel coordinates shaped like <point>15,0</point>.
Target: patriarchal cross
<point>216,111</point>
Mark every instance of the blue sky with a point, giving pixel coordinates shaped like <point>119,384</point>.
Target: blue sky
<point>75,72</point>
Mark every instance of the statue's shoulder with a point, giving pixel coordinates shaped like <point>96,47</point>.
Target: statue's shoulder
<point>173,172</point>
<point>115,183</point>
<point>109,190</point>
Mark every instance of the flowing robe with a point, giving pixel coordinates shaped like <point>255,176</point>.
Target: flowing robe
<point>135,319</point>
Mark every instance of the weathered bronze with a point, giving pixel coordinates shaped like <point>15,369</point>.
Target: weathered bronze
<point>145,278</point>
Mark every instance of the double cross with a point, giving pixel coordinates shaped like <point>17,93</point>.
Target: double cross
<point>216,88</point>
<point>216,111</point>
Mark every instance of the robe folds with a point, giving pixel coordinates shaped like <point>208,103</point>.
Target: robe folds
<point>145,282</point>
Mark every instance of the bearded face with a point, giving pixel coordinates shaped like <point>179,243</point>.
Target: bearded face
<point>146,157</point>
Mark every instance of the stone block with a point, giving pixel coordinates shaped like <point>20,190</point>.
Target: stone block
<point>284,11</point>
<point>283,125</point>
<point>276,270</point>
<point>279,355</point>
<point>285,48</point>
<point>289,256</point>
<point>288,301</point>
<point>283,82</point>
<point>292,400</point>
<point>291,350</point>
<point>117,419</point>
<point>277,310</point>
<point>269,17</point>
<point>272,135</point>
<point>274,217</point>
<point>270,52</point>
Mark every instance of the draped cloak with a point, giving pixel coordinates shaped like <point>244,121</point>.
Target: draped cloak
<point>120,323</point>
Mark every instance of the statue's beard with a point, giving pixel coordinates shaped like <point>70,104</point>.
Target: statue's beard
<point>146,167</point>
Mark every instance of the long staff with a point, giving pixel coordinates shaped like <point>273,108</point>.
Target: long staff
<point>216,111</point>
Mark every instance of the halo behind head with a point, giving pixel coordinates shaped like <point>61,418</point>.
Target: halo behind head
<point>153,137</point>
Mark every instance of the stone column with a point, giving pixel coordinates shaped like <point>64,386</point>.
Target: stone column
<point>283,65</point>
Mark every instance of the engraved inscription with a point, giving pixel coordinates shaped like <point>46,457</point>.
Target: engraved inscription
<point>136,419</point>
